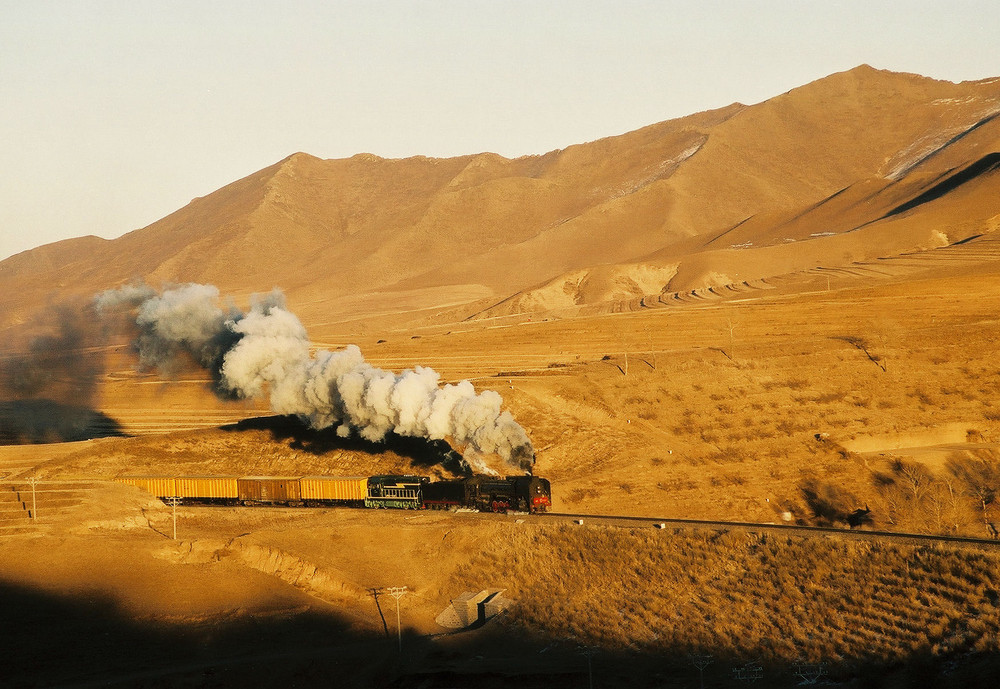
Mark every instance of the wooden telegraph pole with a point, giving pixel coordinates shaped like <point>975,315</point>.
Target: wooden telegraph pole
<point>34,507</point>
<point>173,502</point>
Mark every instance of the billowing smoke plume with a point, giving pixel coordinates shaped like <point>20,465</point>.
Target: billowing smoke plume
<point>266,351</point>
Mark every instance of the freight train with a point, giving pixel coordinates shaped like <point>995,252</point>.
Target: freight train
<point>483,493</point>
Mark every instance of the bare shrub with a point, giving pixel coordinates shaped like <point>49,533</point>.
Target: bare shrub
<point>978,475</point>
<point>864,346</point>
<point>580,494</point>
<point>924,397</point>
<point>829,504</point>
<point>828,397</point>
<point>789,426</point>
<point>726,480</point>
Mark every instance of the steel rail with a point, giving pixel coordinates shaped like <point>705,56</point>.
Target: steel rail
<point>790,529</point>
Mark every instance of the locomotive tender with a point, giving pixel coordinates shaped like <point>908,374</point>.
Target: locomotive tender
<point>483,493</point>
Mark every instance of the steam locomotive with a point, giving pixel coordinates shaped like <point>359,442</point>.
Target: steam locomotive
<point>483,493</point>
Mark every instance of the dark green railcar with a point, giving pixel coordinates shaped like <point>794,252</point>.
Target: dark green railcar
<point>399,492</point>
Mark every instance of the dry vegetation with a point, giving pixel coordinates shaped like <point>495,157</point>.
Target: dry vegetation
<point>862,607</point>
<point>739,424</point>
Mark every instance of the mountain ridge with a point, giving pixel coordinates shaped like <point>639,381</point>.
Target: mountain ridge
<point>669,199</point>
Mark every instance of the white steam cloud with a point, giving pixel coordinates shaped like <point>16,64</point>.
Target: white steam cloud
<point>266,351</point>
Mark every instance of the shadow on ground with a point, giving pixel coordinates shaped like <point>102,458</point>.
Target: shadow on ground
<point>29,421</point>
<point>299,436</point>
<point>86,641</point>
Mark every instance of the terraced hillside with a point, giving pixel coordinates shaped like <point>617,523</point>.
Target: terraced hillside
<point>36,507</point>
<point>970,255</point>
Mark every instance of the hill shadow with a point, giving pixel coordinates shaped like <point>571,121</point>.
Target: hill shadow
<point>299,436</point>
<point>988,163</point>
<point>31,421</point>
<point>498,657</point>
<point>86,642</point>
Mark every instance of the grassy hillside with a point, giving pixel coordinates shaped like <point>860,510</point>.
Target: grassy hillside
<point>870,612</point>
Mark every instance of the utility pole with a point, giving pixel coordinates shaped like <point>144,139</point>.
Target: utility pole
<point>589,652</point>
<point>701,661</point>
<point>810,673</point>
<point>398,592</point>
<point>652,352</point>
<point>34,509</point>
<point>173,501</point>
<point>749,672</point>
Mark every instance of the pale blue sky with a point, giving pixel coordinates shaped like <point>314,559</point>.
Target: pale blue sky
<point>116,113</point>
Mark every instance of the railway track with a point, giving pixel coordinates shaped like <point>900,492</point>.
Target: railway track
<point>783,529</point>
<point>625,521</point>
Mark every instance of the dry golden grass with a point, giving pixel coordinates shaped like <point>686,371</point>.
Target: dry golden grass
<point>745,596</point>
<point>696,411</point>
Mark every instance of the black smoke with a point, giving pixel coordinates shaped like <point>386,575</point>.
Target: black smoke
<point>49,379</point>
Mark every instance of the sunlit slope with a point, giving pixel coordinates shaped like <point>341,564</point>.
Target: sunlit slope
<point>939,189</point>
<point>703,407</point>
<point>853,152</point>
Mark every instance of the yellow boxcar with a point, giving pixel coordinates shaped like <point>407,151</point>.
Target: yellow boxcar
<point>208,488</point>
<point>269,489</point>
<point>160,486</point>
<point>334,488</point>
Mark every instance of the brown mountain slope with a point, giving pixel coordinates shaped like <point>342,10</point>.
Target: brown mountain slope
<point>733,194</point>
<point>940,188</point>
